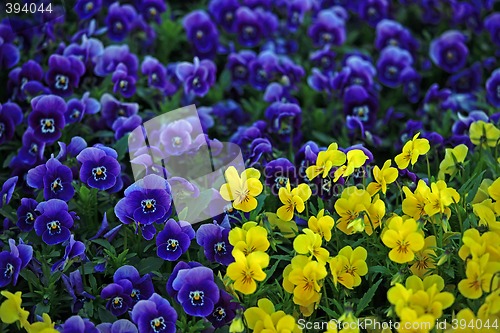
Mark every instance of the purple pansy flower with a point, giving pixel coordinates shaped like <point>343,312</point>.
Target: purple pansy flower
<point>391,63</point>
<point>173,241</point>
<point>146,201</point>
<point>449,51</point>
<point>373,11</point>
<point>64,74</point>
<point>361,104</point>
<point>47,118</point>
<point>154,315</point>
<point>112,109</point>
<point>9,54</point>
<point>87,8</point>
<point>55,179</point>
<point>155,71</point>
<point>248,27</point>
<point>77,324</point>
<point>493,88</point>
<point>215,242</point>
<point>224,13</point>
<point>74,286</point>
<point>329,27</point>
<point>118,295</point>
<point>123,82</point>
<point>176,137</point>
<point>142,287</point>
<point>11,262</point>
<point>75,146</point>
<point>151,10</point>
<point>180,265</point>
<point>119,21</point>
<point>26,214</point>
<point>124,125</point>
<point>77,108</point>
<point>74,250</point>
<point>392,33</point>
<point>492,24</point>
<point>20,76</point>
<point>100,168</point>
<point>238,65</point>
<point>279,173</point>
<point>224,310</point>
<point>54,222</point>
<point>31,150</point>
<point>198,77</point>
<point>324,59</point>
<point>114,55</point>
<point>11,115</point>
<point>356,71</point>
<point>201,33</point>
<point>197,291</point>
<point>467,80</point>
<point>411,79</point>
<point>7,190</point>
<point>285,120</point>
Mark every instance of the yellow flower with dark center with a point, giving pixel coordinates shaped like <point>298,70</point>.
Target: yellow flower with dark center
<point>265,319</point>
<point>404,238</point>
<point>440,197</point>
<point>355,159</point>
<point>411,151</point>
<point>242,190</point>
<point>11,310</point>
<point>293,200</point>
<point>479,273</point>
<point>307,282</point>
<point>322,225</point>
<point>249,238</point>
<point>424,262</point>
<point>309,244</point>
<point>484,134</point>
<point>414,203</point>
<point>355,263</point>
<point>326,160</point>
<point>352,202</point>
<point>382,177</point>
<point>245,270</point>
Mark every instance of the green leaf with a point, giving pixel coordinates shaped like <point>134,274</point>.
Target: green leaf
<point>149,265</point>
<point>365,300</point>
<point>331,314</point>
<point>121,147</point>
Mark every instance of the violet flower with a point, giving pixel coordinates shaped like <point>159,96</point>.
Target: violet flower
<point>11,262</point>
<point>119,326</point>
<point>99,169</point>
<point>154,315</point>
<point>7,190</point>
<point>74,286</point>
<point>47,118</point>
<point>172,241</point>
<point>224,13</point>
<point>123,82</point>
<point>202,34</point>
<point>449,51</point>
<point>26,214</point>
<point>64,74</point>
<point>391,63</point>
<point>9,54</point>
<point>118,296</point>
<point>215,242</point>
<point>328,28</point>
<point>54,222</point>
<point>77,324</point>
<point>75,250</point>
<point>493,88</point>
<point>142,287</point>
<point>54,178</point>
<point>198,77</point>
<point>119,21</point>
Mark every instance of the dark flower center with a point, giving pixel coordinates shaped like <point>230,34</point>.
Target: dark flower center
<point>219,313</point>
<point>172,244</point>
<point>29,218</point>
<point>229,16</point>
<point>56,185</point>
<point>393,42</point>
<point>220,248</point>
<point>361,112</point>
<point>2,129</point>
<point>9,270</point>
<point>357,80</point>
<point>148,205</point>
<point>121,112</point>
<point>281,181</point>
<point>54,227</point>
<point>326,37</point>
<point>240,71</point>
<point>325,61</point>
<point>248,32</point>
<point>89,6</point>
<point>451,55</point>
<point>199,34</point>
<point>135,294</point>
<point>197,297</point>
<point>123,85</point>
<point>152,11</point>
<point>117,302</point>
<point>372,11</point>
<point>118,26</point>
<point>62,82</point>
<point>75,114</point>
<point>391,72</point>
<point>33,149</point>
<point>196,82</point>
<point>48,125</point>
<point>154,77</point>
<point>158,324</point>
<point>99,173</point>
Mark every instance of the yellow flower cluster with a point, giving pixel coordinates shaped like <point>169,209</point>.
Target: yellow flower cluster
<point>488,209</point>
<point>12,312</point>
<point>250,243</point>
<point>420,301</point>
<point>404,237</point>
<point>242,190</point>
<point>349,266</point>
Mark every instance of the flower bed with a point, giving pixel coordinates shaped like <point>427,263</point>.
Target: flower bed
<point>366,196</point>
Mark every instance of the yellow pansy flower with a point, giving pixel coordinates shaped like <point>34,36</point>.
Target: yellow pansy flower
<point>404,238</point>
<point>494,192</point>
<point>306,280</point>
<point>265,319</point>
<point>374,215</point>
<point>424,262</point>
<point>355,159</point>
<point>45,326</point>
<point>250,238</point>
<point>414,203</point>
<point>355,264</point>
<point>339,274</point>
<point>309,244</point>
<point>485,210</point>
<point>453,159</point>
<point>326,161</point>
<point>242,190</point>
<point>293,200</point>
<point>411,151</point>
<point>322,225</point>
<point>479,273</point>
<point>351,203</point>
<point>484,134</point>
<point>411,322</point>
<point>440,197</point>
<point>245,270</point>
<point>382,177</point>
<point>466,317</point>
<point>11,310</point>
